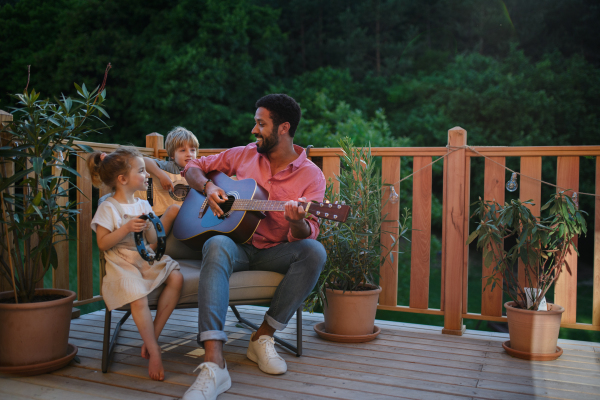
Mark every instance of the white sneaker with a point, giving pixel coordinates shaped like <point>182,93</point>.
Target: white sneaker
<point>211,382</point>
<point>264,354</point>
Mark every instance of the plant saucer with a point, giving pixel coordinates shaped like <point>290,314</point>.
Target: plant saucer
<point>532,356</point>
<point>41,368</point>
<point>320,329</point>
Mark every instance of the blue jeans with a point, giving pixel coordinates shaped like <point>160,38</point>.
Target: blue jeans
<point>301,262</point>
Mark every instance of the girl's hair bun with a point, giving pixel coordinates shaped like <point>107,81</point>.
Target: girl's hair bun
<point>106,168</point>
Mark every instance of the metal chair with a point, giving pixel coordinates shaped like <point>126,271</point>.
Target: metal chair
<point>245,288</point>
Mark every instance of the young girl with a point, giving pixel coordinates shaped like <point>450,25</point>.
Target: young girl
<point>129,279</point>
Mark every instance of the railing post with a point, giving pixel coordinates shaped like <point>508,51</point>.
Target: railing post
<point>390,173</point>
<point>85,273</point>
<point>156,141</point>
<point>60,274</point>
<point>455,227</point>
<point>565,288</point>
<point>596,295</point>
<point>5,118</point>
<point>331,169</point>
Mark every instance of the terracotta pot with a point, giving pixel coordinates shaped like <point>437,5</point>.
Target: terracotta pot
<point>534,332</point>
<point>351,313</point>
<point>35,333</point>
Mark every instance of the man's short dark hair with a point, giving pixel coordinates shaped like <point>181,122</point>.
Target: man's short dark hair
<point>282,108</point>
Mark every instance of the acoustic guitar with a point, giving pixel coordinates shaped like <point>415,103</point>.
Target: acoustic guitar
<point>243,210</point>
<point>159,198</point>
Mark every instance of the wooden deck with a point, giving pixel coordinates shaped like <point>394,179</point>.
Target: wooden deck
<point>406,361</point>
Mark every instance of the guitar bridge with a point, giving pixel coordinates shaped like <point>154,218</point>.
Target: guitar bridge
<point>203,208</point>
<point>149,195</point>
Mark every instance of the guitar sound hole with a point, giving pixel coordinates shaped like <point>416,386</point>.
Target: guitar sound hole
<point>226,207</point>
<point>181,190</point>
<point>179,193</point>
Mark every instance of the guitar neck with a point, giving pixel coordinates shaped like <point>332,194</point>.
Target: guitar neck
<point>256,205</point>
<point>260,205</point>
<point>335,212</point>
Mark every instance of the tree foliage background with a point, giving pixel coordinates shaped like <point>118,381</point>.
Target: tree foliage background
<point>385,72</point>
<point>391,71</point>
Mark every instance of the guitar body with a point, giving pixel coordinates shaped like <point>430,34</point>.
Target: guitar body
<point>194,224</point>
<point>159,198</point>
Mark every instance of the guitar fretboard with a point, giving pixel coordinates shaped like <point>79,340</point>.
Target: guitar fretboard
<point>254,205</point>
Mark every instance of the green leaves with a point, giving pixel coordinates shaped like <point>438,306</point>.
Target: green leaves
<point>488,258</point>
<point>50,256</point>
<point>43,130</point>
<point>355,248</point>
<point>538,240</point>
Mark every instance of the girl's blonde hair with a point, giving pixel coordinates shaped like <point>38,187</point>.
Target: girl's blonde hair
<point>106,168</point>
<point>178,137</point>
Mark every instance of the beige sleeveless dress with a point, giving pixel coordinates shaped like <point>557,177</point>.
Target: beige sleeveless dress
<point>128,276</point>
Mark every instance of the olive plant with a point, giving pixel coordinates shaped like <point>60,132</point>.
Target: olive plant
<point>541,243</point>
<point>38,142</point>
<point>355,252</point>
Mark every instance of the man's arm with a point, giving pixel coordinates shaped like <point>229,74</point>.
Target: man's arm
<point>197,180</point>
<point>305,228</point>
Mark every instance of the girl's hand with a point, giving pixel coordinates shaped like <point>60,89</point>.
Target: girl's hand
<point>135,225</point>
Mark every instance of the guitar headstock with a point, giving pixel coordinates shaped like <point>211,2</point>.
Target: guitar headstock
<point>331,211</point>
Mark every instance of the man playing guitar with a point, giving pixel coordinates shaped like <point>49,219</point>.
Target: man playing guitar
<point>283,242</point>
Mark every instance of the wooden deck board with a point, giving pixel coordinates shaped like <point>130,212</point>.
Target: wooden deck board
<point>407,361</point>
<point>335,347</point>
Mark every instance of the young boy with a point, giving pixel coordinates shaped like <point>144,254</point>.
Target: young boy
<point>182,146</point>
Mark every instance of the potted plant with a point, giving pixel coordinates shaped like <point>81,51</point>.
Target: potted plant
<point>542,243</point>
<point>347,288</point>
<point>35,322</point>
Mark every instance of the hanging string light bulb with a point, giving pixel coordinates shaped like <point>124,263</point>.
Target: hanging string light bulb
<point>512,184</point>
<point>575,199</point>
<point>61,160</point>
<point>394,197</point>
<point>16,144</point>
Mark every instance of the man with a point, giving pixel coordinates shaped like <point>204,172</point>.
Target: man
<point>283,242</point>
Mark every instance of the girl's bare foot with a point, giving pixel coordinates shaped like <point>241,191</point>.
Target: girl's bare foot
<point>145,353</point>
<point>155,367</point>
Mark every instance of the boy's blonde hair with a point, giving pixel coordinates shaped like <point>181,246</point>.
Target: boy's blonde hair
<point>178,137</point>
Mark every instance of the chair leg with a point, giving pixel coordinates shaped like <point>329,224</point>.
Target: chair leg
<point>299,332</point>
<point>106,341</point>
<point>297,350</point>
<point>110,342</point>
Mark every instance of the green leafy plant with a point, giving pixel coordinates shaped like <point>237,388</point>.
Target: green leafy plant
<point>38,143</point>
<point>354,248</point>
<point>542,243</point>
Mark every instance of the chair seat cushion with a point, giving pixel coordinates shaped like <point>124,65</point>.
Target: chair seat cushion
<point>244,286</point>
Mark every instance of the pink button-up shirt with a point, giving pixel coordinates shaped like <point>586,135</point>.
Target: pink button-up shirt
<point>301,178</point>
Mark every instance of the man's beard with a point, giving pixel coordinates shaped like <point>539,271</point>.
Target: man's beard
<point>268,142</point>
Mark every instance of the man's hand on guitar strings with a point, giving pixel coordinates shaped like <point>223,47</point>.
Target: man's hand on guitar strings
<point>293,212</point>
<point>215,196</point>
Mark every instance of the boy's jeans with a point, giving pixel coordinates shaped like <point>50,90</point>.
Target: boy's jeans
<point>301,262</point>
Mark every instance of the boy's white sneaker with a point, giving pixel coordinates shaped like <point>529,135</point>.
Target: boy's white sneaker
<point>211,382</point>
<point>264,354</point>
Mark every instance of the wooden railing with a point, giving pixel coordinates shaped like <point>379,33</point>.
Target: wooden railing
<point>455,222</point>
<point>455,226</point>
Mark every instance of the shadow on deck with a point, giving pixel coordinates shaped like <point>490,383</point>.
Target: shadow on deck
<point>406,361</point>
